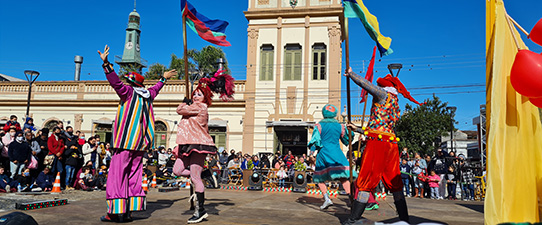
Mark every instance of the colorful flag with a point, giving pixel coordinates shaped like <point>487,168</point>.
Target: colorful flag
<point>514,130</point>
<point>368,76</point>
<point>210,30</point>
<point>356,9</point>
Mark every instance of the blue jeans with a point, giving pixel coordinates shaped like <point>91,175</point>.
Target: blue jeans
<point>57,166</point>
<point>70,170</point>
<point>281,183</point>
<point>16,168</point>
<point>468,191</point>
<point>435,192</point>
<point>406,185</point>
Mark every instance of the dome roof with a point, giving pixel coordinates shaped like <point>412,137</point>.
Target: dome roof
<point>134,13</point>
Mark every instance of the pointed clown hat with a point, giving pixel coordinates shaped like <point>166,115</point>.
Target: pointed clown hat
<point>135,78</point>
<point>391,81</point>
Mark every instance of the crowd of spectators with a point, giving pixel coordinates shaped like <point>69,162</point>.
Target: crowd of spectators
<point>31,158</point>
<point>280,167</point>
<point>437,177</point>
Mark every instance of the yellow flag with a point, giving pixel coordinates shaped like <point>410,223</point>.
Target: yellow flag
<point>514,139</point>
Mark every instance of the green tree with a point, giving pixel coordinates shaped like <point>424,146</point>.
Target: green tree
<point>205,59</point>
<point>155,71</point>
<point>178,64</point>
<point>420,128</point>
<point>124,69</point>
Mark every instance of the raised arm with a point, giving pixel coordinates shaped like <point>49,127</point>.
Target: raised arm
<point>154,90</point>
<point>122,89</point>
<point>378,93</point>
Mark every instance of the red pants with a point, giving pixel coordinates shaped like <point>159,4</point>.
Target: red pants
<point>380,161</point>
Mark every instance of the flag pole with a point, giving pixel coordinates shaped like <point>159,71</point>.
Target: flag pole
<point>186,82</point>
<point>347,57</point>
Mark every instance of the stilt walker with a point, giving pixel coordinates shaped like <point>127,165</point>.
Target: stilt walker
<point>133,135</point>
<point>331,164</point>
<point>380,160</point>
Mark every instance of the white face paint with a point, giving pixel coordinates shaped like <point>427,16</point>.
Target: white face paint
<point>198,96</point>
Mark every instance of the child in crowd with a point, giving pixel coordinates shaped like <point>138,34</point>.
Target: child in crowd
<point>451,181</point>
<point>418,187</point>
<point>5,181</point>
<point>86,179</point>
<point>281,174</point>
<point>25,181</point>
<point>101,178</point>
<point>45,179</point>
<point>434,180</point>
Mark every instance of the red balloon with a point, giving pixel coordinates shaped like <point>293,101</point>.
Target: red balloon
<point>536,101</point>
<point>536,33</point>
<point>526,74</point>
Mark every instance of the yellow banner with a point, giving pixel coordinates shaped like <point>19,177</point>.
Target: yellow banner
<point>514,139</point>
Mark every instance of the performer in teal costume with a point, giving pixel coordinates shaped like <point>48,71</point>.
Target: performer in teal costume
<point>331,163</point>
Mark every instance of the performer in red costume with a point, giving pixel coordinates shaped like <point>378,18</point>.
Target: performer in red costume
<point>380,160</point>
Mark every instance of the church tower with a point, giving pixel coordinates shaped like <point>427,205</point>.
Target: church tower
<point>131,58</point>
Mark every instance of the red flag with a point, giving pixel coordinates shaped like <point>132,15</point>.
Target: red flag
<point>368,76</point>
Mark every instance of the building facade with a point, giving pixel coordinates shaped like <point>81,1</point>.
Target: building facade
<point>293,70</point>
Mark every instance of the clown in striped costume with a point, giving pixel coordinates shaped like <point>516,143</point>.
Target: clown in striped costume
<point>133,135</point>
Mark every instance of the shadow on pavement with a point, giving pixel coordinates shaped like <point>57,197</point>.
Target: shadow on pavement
<point>414,220</point>
<point>477,208</point>
<point>154,206</point>
<point>210,206</point>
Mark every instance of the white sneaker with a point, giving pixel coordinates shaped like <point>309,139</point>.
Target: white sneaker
<point>326,204</point>
<point>8,188</point>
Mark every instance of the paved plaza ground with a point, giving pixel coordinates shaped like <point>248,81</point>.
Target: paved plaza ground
<point>246,207</point>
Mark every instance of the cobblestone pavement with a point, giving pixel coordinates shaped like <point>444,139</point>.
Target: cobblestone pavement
<point>242,207</point>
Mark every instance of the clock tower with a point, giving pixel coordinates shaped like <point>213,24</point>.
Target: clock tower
<point>131,58</point>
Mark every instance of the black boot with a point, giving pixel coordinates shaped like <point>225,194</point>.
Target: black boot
<point>355,213</point>
<point>402,210</point>
<point>200,212</point>
<point>192,207</point>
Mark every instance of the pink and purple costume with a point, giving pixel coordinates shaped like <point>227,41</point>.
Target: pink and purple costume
<point>133,134</point>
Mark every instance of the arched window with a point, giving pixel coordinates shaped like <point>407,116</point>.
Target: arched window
<point>51,124</point>
<point>160,134</point>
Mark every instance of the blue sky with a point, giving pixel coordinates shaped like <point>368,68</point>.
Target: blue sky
<point>441,42</point>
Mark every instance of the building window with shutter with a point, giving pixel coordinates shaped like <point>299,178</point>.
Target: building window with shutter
<point>292,62</point>
<point>267,56</point>
<point>319,61</point>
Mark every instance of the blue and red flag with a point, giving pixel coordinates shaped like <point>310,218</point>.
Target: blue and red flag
<point>368,76</point>
<point>210,30</point>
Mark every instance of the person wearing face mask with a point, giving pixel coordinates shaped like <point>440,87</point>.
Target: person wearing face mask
<point>90,151</point>
<point>162,156</point>
<point>82,139</point>
<point>19,154</point>
<point>56,146</point>
<point>12,123</point>
<point>133,135</point>
<point>25,180</point>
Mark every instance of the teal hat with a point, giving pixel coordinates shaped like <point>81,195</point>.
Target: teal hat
<point>329,111</point>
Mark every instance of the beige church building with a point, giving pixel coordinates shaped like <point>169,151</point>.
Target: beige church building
<point>293,69</point>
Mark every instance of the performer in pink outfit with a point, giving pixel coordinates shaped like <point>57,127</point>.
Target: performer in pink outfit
<point>133,135</point>
<point>193,139</point>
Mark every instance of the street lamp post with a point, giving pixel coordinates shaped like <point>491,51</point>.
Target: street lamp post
<point>344,114</point>
<point>193,78</point>
<point>31,76</point>
<point>452,112</point>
